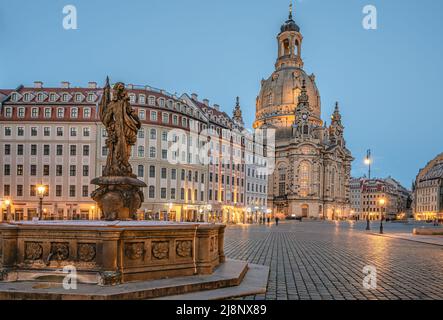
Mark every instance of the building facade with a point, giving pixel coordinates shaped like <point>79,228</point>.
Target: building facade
<point>367,193</point>
<point>192,156</point>
<point>312,164</point>
<point>428,191</point>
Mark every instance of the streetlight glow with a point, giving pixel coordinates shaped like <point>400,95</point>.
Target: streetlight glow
<point>7,202</point>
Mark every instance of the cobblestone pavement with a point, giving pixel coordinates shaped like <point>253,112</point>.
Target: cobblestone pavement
<point>325,260</point>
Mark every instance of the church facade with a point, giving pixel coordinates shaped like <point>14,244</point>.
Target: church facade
<point>312,164</point>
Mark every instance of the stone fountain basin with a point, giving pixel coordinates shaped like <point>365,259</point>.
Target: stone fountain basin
<point>109,253</point>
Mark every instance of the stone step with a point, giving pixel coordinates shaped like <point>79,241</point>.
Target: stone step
<point>229,274</point>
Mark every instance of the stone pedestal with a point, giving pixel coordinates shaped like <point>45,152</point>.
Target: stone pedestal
<point>109,253</point>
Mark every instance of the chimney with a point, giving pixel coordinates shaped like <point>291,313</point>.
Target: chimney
<point>92,85</point>
<point>38,84</point>
<point>206,102</point>
<point>216,107</point>
<point>65,84</point>
<point>194,96</point>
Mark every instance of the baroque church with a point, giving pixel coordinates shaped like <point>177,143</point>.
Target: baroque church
<point>312,164</point>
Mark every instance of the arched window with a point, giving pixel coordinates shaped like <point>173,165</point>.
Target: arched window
<point>140,170</point>
<point>141,151</point>
<point>304,179</point>
<point>333,182</point>
<point>151,192</point>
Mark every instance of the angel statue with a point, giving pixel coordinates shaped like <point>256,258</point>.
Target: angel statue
<point>122,125</point>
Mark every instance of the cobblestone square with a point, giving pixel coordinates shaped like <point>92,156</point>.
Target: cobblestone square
<point>325,260</point>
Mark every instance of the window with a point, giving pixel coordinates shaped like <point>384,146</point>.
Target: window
<point>173,174</point>
<point>164,154</point>
<point>59,132</point>
<point>19,190</point>
<point>33,170</point>
<point>73,150</point>
<point>165,117</point>
<point>163,173</point>
<point>8,112</point>
<point>165,136</point>
<point>142,99</point>
<point>152,152</point>
<point>73,132</point>
<point>19,149</point>
<point>7,190</point>
<point>72,170</point>
<point>86,112</point>
<point>34,112</point>
<point>85,191</point>
<point>52,97</point>
<point>163,193</point>
<point>151,101</point>
<point>132,98</point>
<point>86,132</point>
<point>85,170</point>
<point>104,151</point>
<point>46,149</point>
<point>60,112</point>
<point>58,190</point>
<point>32,190</point>
<point>7,131</point>
<point>65,97</point>
<point>33,149</point>
<point>151,171</point>
<point>47,131</point>
<point>72,191</point>
<point>182,193</point>
<point>142,114</point>
<point>173,193</point>
<point>7,149</point>
<point>46,170</point>
<point>184,122</point>
<point>20,131</point>
<point>19,169</point>
<point>141,151</point>
<point>58,170</point>
<point>161,102</point>
<point>59,151</point>
<point>7,170</point>
<point>153,115</point>
<point>151,192</point>
<point>78,97</point>
<point>175,120</point>
<point>21,112</point>
<point>86,150</point>
<point>90,97</point>
<point>33,131</point>
<point>140,171</point>
<point>153,134</point>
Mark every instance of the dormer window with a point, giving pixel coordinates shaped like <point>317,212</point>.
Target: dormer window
<point>169,103</point>
<point>52,97</point>
<point>151,101</point>
<point>65,97</point>
<point>132,98</point>
<point>14,97</point>
<point>78,97</point>
<point>142,99</point>
<point>161,102</point>
<point>40,97</point>
<point>27,97</point>
<point>90,97</point>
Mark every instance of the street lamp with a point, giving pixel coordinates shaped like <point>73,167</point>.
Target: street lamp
<point>368,161</point>
<point>41,189</point>
<point>382,203</point>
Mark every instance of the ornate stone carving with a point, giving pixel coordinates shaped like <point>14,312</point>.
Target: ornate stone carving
<point>184,248</point>
<point>213,244</point>
<point>86,252</point>
<point>135,250</point>
<point>110,278</point>
<point>59,251</point>
<point>160,250</point>
<point>33,251</point>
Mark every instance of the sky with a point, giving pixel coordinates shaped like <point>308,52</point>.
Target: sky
<point>387,81</point>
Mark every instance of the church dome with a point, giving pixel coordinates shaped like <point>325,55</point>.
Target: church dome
<point>278,97</point>
<point>290,25</point>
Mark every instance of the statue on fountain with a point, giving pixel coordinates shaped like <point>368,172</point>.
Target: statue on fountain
<point>119,194</point>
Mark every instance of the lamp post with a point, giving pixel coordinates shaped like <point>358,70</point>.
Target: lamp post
<point>368,161</point>
<point>41,189</point>
<point>382,203</point>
